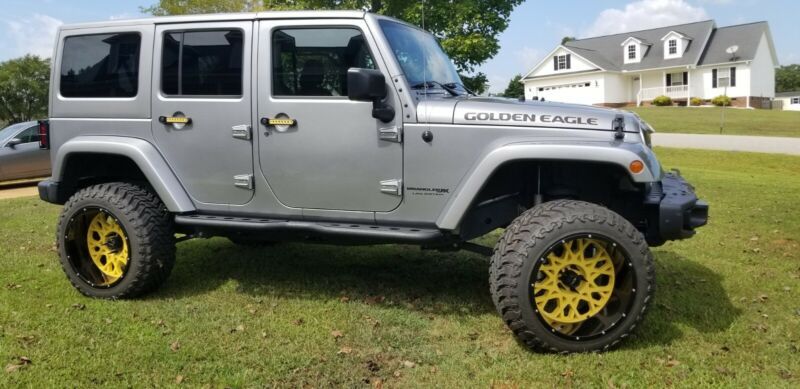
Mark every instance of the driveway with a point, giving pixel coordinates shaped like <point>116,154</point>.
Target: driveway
<point>757,144</point>
<point>14,189</point>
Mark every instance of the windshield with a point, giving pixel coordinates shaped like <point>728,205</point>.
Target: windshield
<point>9,131</point>
<point>419,54</point>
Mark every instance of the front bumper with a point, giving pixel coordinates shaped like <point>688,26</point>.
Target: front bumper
<point>677,211</point>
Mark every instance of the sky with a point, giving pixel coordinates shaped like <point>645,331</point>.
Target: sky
<point>535,28</point>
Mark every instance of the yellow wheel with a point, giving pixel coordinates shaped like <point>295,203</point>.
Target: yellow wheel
<point>115,240</point>
<point>580,285</point>
<point>108,247</point>
<point>570,276</point>
<point>574,282</point>
<point>98,247</point>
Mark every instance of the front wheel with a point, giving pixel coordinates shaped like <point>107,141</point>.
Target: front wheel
<point>115,240</point>
<point>570,276</point>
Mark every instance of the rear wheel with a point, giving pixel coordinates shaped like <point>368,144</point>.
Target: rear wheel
<point>115,240</point>
<point>569,276</point>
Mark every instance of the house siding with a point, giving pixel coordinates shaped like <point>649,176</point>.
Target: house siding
<point>696,83</point>
<point>615,89</point>
<point>762,78</point>
<point>653,79</point>
<point>787,103</point>
<point>742,88</point>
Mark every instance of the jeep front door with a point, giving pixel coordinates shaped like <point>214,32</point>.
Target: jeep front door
<point>202,113</point>
<point>331,157</point>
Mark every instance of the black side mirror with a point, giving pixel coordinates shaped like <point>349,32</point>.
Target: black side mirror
<point>13,142</point>
<point>370,85</point>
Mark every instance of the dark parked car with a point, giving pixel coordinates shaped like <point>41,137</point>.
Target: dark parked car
<point>20,156</point>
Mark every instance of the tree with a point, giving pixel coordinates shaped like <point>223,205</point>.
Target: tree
<point>566,39</point>
<point>787,78</point>
<point>23,88</point>
<point>182,7</point>
<point>477,83</point>
<point>515,88</point>
<point>466,29</point>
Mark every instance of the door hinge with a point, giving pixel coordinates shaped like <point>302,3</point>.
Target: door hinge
<point>242,131</point>
<point>391,134</point>
<point>393,187</point>
<point>244,181</point>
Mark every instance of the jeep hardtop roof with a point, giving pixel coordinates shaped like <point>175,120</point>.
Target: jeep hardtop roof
<point>222,17</point>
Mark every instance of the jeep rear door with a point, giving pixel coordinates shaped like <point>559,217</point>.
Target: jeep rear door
<point>332,158</point>
<point>202,112</point>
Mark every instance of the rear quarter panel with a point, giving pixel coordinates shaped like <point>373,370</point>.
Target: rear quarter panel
<point>71,117</point>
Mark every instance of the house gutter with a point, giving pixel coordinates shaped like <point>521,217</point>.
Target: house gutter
<point>551,76</point>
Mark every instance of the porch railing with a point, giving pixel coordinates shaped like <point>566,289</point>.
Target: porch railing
<point>675,92</point>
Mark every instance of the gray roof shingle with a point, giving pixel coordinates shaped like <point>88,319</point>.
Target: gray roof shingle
<point>609,47</point>
<point>746,36</point>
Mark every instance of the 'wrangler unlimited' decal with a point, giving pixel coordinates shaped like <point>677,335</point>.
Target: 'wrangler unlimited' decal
<point>529,117</point>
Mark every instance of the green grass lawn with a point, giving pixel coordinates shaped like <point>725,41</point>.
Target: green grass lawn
<point>726,313</point>
<point>706,120</point>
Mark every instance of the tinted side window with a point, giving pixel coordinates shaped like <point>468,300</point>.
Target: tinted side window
<point>105,65</point>
<point>314,62</point>
<point>202,63</point>
<point>31,134</point>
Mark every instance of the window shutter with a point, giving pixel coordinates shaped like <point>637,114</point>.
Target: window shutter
<point>555,63</point>
<point>713,78</point>
<point>669,79</point>
<point>733,76</point>
<point>568,60</point>
<point>685,78</point>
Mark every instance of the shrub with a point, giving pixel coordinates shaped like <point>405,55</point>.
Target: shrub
<point>696,101</point>
<point>662,101</point>
<point>721,101</point>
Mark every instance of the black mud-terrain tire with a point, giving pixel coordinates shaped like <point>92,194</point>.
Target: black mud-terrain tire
<point>527,239</point>
<point>150,230</point>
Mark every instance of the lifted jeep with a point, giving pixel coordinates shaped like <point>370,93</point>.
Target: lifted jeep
<point>349,128</point>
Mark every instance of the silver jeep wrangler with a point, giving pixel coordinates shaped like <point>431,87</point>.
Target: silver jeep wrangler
<point>349,128</point>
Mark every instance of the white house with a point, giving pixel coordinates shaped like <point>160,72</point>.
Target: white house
<point>682,62</point>
<point>789,100</point>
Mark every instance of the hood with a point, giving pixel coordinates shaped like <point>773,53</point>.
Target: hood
<point>507,112</point>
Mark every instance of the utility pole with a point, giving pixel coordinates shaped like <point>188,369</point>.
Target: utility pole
<point>732,51</point>
<point>724,103</point>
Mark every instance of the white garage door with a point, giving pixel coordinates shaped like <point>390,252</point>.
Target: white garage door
<point>576,93</point>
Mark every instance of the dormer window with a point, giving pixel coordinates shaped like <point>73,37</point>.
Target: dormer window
<point>675,44</point>
<point>634,49</point>
<point>631,51</point>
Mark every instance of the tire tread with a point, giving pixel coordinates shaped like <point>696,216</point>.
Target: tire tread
<point>533,228</point>
<point>152,227</point>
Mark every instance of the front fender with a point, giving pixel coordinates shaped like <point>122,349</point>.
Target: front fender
<point>142,153</point>
<point>604,152</point>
